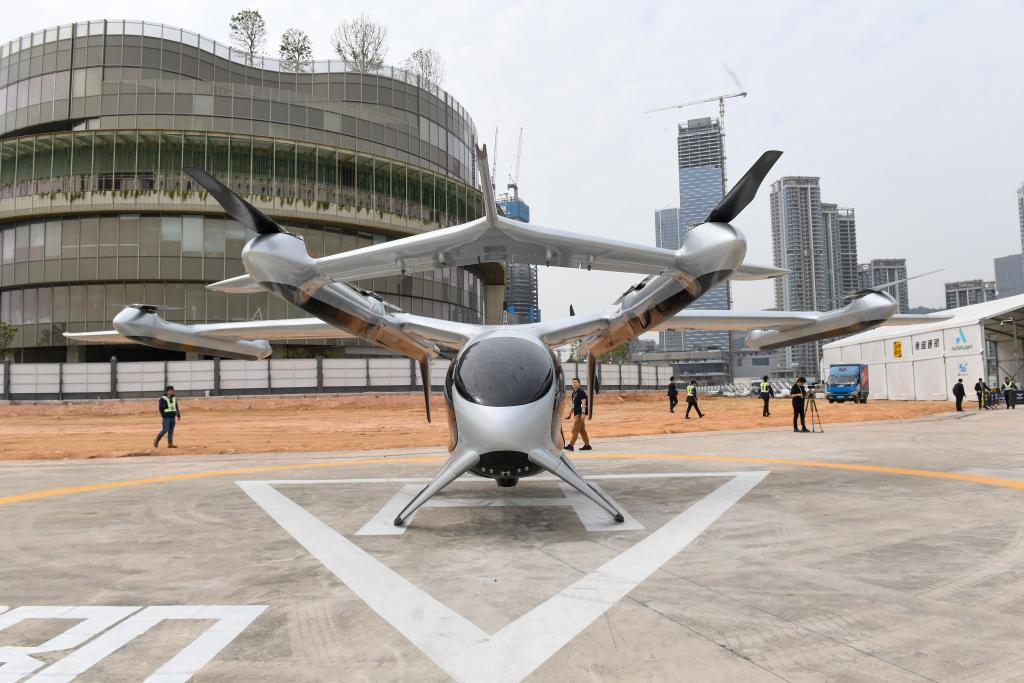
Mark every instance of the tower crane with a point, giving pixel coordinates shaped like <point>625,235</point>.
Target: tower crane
<point>721,120</point>
<point>513,172</point>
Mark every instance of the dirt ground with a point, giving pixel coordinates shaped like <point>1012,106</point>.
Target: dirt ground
<point>109,429</point>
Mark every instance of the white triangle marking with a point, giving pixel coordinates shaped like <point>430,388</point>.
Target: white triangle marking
<point>460,647</point>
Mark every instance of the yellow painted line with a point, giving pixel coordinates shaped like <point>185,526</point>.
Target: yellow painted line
<point>129,483</point>
<point>879,469</point>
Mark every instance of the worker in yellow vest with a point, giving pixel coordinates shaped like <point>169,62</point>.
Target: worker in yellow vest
<point>691,399</point>
<point>766,392</point>
<point>169,413</point>
<point>1010,393</point>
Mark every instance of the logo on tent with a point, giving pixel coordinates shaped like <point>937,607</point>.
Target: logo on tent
<point>960,342</point>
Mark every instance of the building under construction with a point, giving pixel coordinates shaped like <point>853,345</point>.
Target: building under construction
<point>521,304</point>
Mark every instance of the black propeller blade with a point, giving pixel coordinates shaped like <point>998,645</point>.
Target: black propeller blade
<point>236,207</point>
<point>572,312</point>
<point>148,308</point>
<point>743,192</point>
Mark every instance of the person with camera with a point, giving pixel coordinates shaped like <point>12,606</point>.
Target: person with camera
<point>799,395</point>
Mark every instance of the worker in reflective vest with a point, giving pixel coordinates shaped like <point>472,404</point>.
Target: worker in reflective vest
<point>691,399</point>
<point>1010,393</point>
<point>169,413</point>
<point>766,393</point>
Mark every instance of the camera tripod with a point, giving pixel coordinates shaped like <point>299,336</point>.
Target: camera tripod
<point>811,409</point>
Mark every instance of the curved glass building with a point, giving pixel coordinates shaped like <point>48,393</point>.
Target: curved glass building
<point>97,119</point>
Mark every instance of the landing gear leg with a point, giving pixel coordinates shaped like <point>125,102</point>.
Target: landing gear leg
<point>563,469</point>
<point>455,467</point>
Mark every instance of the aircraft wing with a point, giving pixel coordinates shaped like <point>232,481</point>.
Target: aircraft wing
<point>443,332</point>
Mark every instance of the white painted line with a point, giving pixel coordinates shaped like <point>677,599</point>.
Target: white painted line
<point>230,621</point>
<point>17,662</point>
<point>456,645</point>
<point>592,517</point>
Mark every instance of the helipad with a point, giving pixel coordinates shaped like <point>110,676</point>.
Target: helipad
<point>874,551</point>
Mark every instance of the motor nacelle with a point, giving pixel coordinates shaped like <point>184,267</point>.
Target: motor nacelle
<point>147,328</point>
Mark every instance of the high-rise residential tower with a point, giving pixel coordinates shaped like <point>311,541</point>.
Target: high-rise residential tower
<point>841,233</point>
<point>968,292</point>
<point>667,235</point>
<point>881,271</point>
<point>800,244</point>
<point>700,189</point>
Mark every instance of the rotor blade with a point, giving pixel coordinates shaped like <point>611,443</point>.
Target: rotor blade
<point>572,312</point>
<point>882,287</point>
<point>236,207</point>
<point>425,376</point>
<point>743,192</point>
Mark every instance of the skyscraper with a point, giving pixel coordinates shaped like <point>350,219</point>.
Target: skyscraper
<point>668,236</point>
<point>521,296</point>
<point>700,189</point>
<point>800,244</point>
<point>1009,275</point>
<point>880,271</point>
<point>841,233</point>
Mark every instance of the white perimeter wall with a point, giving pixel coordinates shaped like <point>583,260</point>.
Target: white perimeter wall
<point>926,368</point>
<point>92,380</point>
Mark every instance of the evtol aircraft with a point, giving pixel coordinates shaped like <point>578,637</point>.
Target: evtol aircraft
<point>504,387</point>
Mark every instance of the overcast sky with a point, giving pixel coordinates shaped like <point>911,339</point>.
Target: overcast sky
<point>910,112</point>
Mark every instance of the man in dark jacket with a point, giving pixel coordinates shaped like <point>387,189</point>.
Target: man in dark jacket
<point>958,393</point>
<point>169,413</point>
<point>981,389</point>
<point>673,395</point>
<point>798,393</point>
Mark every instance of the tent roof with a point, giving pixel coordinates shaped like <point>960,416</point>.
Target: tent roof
<point>963,316</point>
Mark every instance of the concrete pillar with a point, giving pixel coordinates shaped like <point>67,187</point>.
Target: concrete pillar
<point>367,386</point>
<point>60,381</point>
<point>113,377</point>
<point>216,376</point>
<point>7,378</point>
<point>270,379</point>
<point>319,374</point>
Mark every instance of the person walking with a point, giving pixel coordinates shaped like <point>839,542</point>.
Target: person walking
<point>578,414</point>
<point>169,413</point>
<point>1010,393</point>
<point>766,392</point>
<point>798,394</point>
<point>981,389</point>
<point>691,399</point>
<point>673,395</point>
<point>958,393</point>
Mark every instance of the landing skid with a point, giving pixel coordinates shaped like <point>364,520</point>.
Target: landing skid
<point>459,464</point>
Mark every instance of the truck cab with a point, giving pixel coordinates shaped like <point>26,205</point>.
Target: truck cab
<point>848,382</point>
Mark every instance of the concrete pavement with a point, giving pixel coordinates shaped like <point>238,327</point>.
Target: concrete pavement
<point>873,551</point>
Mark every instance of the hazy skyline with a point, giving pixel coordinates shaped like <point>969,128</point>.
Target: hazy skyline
<point>909,112</point>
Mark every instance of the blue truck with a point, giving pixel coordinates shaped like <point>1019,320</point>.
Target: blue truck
<point>848,382</point>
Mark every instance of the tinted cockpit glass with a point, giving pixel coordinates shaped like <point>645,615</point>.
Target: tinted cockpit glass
<point>504,371</point>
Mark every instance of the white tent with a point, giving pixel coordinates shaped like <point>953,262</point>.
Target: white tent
<point>923,362</point>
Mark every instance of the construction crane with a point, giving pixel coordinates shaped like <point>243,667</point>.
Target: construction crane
<point>513,172</point>
<point>494,159</point>
<point>721,120</point>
